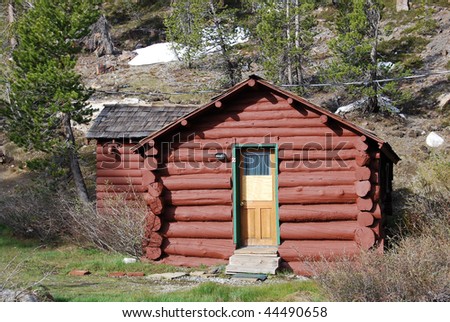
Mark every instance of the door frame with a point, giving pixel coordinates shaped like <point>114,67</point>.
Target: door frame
<point>236,171</point>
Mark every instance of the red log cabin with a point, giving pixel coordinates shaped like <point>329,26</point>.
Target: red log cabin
<point>257,179</point>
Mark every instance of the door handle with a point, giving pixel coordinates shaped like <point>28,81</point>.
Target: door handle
<point>242,203</point>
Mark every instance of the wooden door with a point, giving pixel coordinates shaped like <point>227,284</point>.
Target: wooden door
<point>258,204</point>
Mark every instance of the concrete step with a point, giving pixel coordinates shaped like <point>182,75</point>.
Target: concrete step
<point>253,263</point>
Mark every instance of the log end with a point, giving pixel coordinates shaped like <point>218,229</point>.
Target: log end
<point>365,237</point>
<point>365,219</point>
<point>323,119</point>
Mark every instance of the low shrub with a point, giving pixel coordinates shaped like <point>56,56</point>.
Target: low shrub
<point>417,265</point>
<point>34,212</point>
<point>119,226</point>
<point>415,269</point>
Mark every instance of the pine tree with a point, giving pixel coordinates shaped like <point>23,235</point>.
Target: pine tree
<point>47,95</point>
<point>285,36</point>
<point>355,47</point>
<point>198,25</point>
<point>184,28</point>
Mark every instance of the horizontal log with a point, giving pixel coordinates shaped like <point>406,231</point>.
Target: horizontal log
<point>365,237</point>
<point>119,173</point>
<point>219,230</point>
<point>362,173</point>
<point>317,195</point>
<point>111,158</point>
<point>192,261</point>
<point>317,250</point>
<point>362,188</point>
<point>184,168</point>
<point>152,253</point>
<point>282,128</point>
<point>334,230</point>
<point>362,159</point>
<point>120,195</point>
<point>198,197</point>
<point>316,165</point>
<point>361,146</point>
<point>264,119</point>
<point>198,213</point>
<point>120,188</point>
<point>365,219</point>
<point>155,189</point>
<point>198,155</point>
<point>272,106</point>
<point>305,213</point>
<point>154,203</point>
<point>153,239</point>
<point>317,178</point>
<point>148,177</point>
<point>119,181</point>
<point>152,222</point>
<point>125,165</point>
<point>267,110</point>
<point>344,154</point>
<point>210,248</point>
<point>201,182</point>
<point>364,204</point>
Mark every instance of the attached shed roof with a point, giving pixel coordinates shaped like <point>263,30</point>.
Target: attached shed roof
<point>135,121</point>
<point>254,82</point>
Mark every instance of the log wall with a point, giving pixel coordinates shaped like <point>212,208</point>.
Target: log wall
<point>329,187</point>
<point>119,172</point>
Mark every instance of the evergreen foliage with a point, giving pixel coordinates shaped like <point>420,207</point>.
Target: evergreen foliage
<point>46,92</point>
<point>285,36</point>
<point>196,26</point>
<point>356,52</point>
<point>184,28</point>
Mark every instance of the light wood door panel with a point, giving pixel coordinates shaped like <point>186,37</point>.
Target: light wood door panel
<point>258,212</point>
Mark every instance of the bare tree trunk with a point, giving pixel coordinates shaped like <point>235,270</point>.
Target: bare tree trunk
<point>374,17</point>
<point>11,19</point>
<point>402,5</point>
<point>298,64</point>
<point>74,162</point>
<point>288,37</point>
<point>230,68</point>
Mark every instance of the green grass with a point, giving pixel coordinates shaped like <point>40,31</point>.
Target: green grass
<point>54,262</point>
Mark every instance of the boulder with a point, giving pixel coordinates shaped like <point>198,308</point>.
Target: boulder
<point>17,296</point>
<point>444,100</point>
<point>433,140</point>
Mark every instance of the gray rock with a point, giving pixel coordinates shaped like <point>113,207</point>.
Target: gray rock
<point>16,296</point>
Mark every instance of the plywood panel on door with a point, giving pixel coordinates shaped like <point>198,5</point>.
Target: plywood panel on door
<point>257,200</point>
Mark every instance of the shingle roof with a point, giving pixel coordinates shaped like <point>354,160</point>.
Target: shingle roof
<point>134,121</point>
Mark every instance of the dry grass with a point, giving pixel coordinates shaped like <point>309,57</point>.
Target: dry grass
<point>119,227</point>
<point>417,265</point>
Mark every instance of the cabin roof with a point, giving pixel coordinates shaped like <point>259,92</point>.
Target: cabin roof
<point>117,121</point>
<point>256,81</point>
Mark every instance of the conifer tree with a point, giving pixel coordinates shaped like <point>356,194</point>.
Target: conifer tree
<point>285,36</point>
<point>355,47</point>
<point>184,28</point>
<point>47,95</point>
<point>197,26</point>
